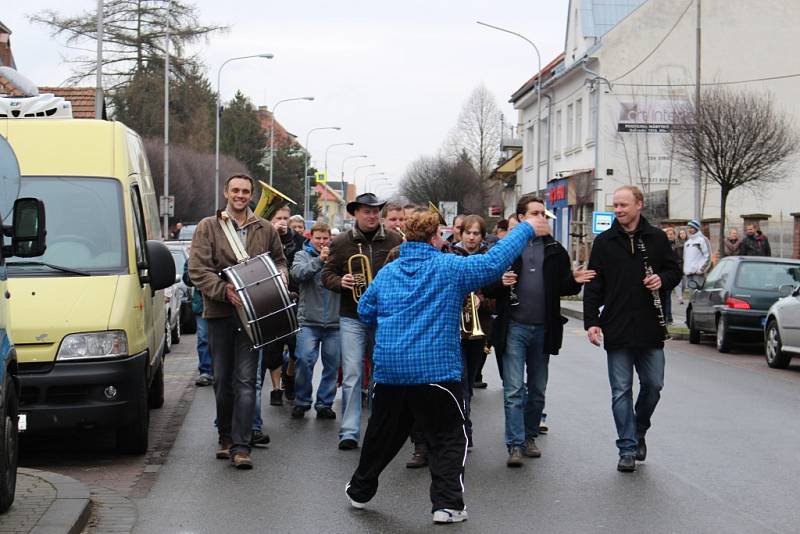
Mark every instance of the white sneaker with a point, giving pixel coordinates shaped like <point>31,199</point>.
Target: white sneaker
<point>446,515</point>
<point>355,504</point>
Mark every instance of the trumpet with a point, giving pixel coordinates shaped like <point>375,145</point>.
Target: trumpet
<point>470,324</point>
<point>359,267</point>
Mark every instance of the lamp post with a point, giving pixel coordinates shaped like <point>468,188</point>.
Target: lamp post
<point>355,175</point>
<point>306,199</point>
<point>376,180</point>
<point>272,129</point>
<point>538,100</point>
<point>366,179</point>
<point>344,190</point>
<point>166,124</point>
<point>349,143</point>
<point>217,113</point>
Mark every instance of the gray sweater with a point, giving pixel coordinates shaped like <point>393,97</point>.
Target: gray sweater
<point>317,306</point>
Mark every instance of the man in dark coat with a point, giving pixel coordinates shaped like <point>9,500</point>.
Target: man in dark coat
<point>629,323</point>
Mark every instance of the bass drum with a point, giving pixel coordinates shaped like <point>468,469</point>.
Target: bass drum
<point>267,312</point>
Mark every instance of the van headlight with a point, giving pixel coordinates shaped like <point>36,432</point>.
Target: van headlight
<point>87,345</point>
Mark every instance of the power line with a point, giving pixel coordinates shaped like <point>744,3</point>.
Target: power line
<point>653,51</point>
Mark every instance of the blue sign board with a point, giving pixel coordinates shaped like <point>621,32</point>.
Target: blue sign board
<point>601,221</point>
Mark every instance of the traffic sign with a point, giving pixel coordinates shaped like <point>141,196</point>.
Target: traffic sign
<point>320,177</point>
<point>601,221</point>
<point>167,205</point>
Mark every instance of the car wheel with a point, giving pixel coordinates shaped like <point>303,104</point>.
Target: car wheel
<point>155,395</point>
<point>133,438</point>
<point>167,337</point>
<point>175,334</point>
<point>776,358</point>
<point>694,333</point>
<point>9,446</point>
<point>723,337</point>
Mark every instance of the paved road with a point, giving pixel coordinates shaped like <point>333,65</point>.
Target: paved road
<point>723,458</point>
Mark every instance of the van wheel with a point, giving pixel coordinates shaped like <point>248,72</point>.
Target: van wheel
<point>155,395</point>
<point>723,337</point>
<point>175,334</point>
<point>9,446</point>
<point>776,357</point>
<point>167,337</point>
<point>694,333</point>
<point>133,438</point>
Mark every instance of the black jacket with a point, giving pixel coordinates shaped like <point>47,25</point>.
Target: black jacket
<point>558,281</point>
<point>629,317</point>
<point>292,243</point>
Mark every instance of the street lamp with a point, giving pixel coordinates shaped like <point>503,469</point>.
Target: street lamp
<point>349,143</point>
<point>355,175</point>
<point>306,200</point>
<point>538,101</point>
<point>217,113</point>
<point>272,129</point>
<point>376,180</point>
<point>344,192</point>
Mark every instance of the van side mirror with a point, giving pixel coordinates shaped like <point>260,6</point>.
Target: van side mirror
<point>161,266</point>
<point>28,228</point>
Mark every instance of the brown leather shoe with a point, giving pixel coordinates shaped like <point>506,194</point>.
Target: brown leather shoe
<point>241,460</point>
<point>224,448</point>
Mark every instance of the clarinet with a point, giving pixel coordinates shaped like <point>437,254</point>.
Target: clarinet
<point>648,271</point>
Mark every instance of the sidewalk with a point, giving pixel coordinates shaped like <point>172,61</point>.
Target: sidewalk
<point>46,503</point>
<point>574,309</point>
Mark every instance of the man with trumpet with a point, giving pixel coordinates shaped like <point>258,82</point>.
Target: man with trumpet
<point>355,257</point>
<point>415,304</point>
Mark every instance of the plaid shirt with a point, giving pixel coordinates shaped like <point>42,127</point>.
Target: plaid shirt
<point>416,302</point>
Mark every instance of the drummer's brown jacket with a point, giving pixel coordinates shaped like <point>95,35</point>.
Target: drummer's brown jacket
<point>211,253</point>
<point>345,245</point>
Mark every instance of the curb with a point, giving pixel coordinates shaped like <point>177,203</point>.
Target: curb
<point>69,512</point>
<point>575,314</point>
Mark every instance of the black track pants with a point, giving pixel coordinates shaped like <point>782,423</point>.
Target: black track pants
<point>438,411</point>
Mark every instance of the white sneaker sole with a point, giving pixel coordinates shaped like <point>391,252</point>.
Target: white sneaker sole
<point>449,516</point>
<point>355,504</point>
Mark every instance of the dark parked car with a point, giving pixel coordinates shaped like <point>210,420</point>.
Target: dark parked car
<point>732,304</point>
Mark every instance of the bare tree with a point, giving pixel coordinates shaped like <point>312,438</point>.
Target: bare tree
<point>478,132</point>
<point>134,35</point>
<point>737,139</point>
<point>437,178</point>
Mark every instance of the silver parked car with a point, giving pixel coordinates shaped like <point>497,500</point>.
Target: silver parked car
<point>782,329</point>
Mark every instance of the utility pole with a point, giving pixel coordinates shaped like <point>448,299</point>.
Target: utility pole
<point>698,173</point>
<point>98,94</point>
<point>166,127</point>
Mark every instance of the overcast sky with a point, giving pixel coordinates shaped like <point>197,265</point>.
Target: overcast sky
<point>393,75</point>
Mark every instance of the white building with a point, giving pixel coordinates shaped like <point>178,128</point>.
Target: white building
<point>607,100</point>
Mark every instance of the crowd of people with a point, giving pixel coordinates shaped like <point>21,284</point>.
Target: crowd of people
<point>415,332</point>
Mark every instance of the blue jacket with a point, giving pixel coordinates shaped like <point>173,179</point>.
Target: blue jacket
<point>317,306</point>
<point>416,302</point>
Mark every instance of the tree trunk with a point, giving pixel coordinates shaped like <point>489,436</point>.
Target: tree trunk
<point>724,192</point>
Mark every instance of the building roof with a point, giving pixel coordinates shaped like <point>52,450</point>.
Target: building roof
<point>599,16</point>
<point>6,55</point>
<point>530,84</point>
<point>81,98</point>
<point>327,194</point>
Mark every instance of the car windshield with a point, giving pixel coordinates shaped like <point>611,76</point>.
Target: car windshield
<point>187,232</point>
<point>85,226</point>
<point>766,276</point>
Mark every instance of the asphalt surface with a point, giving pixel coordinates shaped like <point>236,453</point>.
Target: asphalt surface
<point>722,457</point>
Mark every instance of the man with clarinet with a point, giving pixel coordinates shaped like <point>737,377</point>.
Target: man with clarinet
<point>633,260</point>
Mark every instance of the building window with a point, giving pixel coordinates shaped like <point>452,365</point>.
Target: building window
<point>578,121</point>
<point>543,141</point>
<point>592,117</point>
<point>557,139</point>
<point>530,146</point>
<point>570,126</point>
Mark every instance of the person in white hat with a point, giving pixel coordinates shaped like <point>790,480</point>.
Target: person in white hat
<point>696,254</point>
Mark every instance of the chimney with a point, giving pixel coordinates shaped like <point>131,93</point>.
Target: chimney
<point>6,57</point>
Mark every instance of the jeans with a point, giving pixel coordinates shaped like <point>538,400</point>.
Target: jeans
<point>235,364</point>
<point>633,421</point>
<point>309,340</point>
<point>524,402</point>
<point>203,354</point>
<point>357,339</point>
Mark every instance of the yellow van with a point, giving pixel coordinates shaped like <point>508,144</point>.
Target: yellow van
<point>87,316</point>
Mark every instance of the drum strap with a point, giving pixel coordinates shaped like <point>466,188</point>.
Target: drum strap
<point>232,236</point>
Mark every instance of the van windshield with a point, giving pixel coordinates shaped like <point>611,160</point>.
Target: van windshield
<point>85,228</point>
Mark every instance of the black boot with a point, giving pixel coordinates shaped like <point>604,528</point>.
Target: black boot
<point>627,464</point>
<point>641,450</point>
